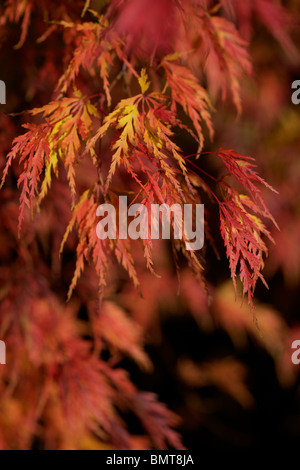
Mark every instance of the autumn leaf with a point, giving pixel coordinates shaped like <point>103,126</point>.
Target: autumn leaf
<point>191,96</point>
<point>120,332</point>
<point>125,98</point>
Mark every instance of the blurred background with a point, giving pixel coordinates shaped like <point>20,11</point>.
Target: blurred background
<point>232,384</point>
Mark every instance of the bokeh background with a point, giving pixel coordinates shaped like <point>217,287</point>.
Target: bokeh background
<point>232,384</point>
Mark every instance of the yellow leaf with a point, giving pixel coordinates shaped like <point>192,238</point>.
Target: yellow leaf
<point>143,81</point>
<point>77,92</point>
<point>172,57</point>
<point>50,165</point>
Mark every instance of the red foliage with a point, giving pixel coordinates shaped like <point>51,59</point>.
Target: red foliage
<point>138,89</point>
<point>150,25</point>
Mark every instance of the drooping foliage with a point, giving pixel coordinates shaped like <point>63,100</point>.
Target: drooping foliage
<point>131,81</point>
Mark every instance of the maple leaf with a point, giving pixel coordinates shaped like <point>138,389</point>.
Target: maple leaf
<point>143,133</point>
<point>242,234</point>
<point>156,418</point>
<point>226,374</point>
<point>241,224</point>
<point>15,11</point>
<point>222,44</point>
<point>94,51</point>
<point>158,421</point>
<point>242,168</point>
<point>92,249</point>
<point>71,119</point>
<point>187,92</point>
<point>120,332</point>
<point>67,120</point>
<point>34,150</point>
<point>143,125</point>
<point>79,384</point>
<point>241,216</point>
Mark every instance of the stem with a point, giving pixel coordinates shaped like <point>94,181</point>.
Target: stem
<point>203,171</point>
